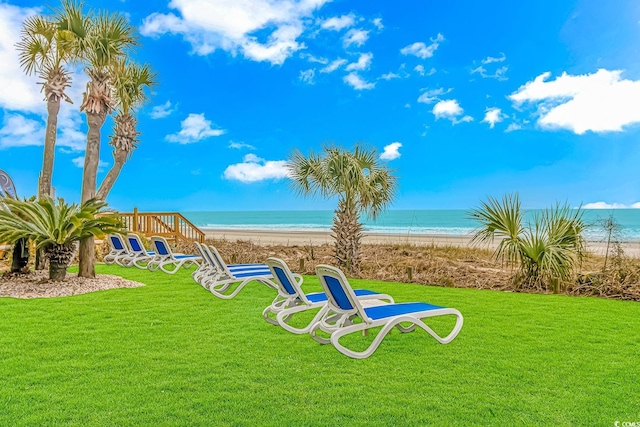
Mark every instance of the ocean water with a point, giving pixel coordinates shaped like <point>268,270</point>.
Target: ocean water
<point>448,222</point>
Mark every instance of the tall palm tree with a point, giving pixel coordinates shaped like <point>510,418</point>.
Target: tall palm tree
<point>47,46</point>
<point>109,40</point>
<point>129,81</point>
<point>362,183</point>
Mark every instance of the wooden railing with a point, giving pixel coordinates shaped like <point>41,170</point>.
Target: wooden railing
<point>170,225</point>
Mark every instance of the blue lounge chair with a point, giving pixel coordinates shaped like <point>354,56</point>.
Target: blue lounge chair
<point>291,299</point>
<point>166,260</point>
<point>138,255</point>
<point>119,249</point>
<point>344,307</point>
<point>223,276</point>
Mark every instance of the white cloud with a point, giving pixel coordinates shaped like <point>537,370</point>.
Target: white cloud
<point>421,50</point>
<point>433,95</point>
<point>240,145</point>
<point>390,75</point>
<point>450,110</point>
<point>499,74</point>
<point>357,82</point>
<point>193,129</point>
<point>312,58</point>
<point>308,76</point>
<point>493,116</point>
<point>597,102</point>
<point>391,151</point>
<point>491,59</point>
<point>19,131</point>
<point>254,169</point>
<point>356,37</point>
<point>334,65</point>
<point>161,111</point>
<point>513,127</point>
<point>377,22</point>
<point>364,62</point>
<point>337,23</point>
<point>419,69</point>
<point>79,162</point>
<point>605,205</point>
<point>231,26</point>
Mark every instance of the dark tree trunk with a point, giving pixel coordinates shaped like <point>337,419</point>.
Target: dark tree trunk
<point>20,257</point>
<point>57,272</point>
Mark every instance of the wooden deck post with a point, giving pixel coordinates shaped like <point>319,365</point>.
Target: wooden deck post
<point>135,220</point>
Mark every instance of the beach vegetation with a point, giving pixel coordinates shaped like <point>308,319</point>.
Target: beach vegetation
<point>362,183</point>
<point>546,253</point>
<point>55,227</point>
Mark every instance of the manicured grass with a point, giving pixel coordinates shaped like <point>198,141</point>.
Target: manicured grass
<point>170,353</point>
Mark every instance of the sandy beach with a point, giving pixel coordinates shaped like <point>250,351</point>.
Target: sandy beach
<point>291,238</point>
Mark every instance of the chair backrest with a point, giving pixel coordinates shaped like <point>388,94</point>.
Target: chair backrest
<point>117,243</point>
<point>135,243</point>
<point>218,261</point>
<point>206,258</point>
<point>161,246</point>
<point>283,277</point>
<point>339,292</point>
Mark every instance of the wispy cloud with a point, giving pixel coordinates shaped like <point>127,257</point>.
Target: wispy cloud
<point>193,129</point>
<point>240,145</point>
<point>355,37</point>
<point>338,23</point>
<point>79,162</point>
<point>498,74</point>
<point>355,81</point>
<point>429,96</point>
<point>161,111</point>
<point>599,102</point>
<point>605,205</point>
<point>255,169</point>
<point>334,65</point>
<point>308,76</point>
<point>377,22</point>
<point>364,62</point>
<point>390,75</point>
<point>421,50</point>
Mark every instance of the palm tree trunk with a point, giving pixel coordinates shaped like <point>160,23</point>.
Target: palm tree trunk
<point>347,232</point>
<point>120,157</point>
<point>20,256</point>
<point>89,178</point>
<point>53,107</point>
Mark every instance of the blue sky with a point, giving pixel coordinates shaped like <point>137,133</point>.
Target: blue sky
<point>463,99</point>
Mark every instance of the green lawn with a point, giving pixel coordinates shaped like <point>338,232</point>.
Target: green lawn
<point>170,353</point>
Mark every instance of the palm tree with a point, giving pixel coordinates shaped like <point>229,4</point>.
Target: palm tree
<point>108,41</point>
<point>46,47</point>
<point>129,82</point>
<point>362,183</point>
<point>546,253</point>
<point>55,227</point>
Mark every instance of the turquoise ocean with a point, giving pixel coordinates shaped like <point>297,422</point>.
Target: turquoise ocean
<point>447,222</point>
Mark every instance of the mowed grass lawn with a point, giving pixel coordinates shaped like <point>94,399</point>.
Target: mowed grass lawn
<point>170,353</point>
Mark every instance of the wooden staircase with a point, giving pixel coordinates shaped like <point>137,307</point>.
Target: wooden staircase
<point>170,225</point>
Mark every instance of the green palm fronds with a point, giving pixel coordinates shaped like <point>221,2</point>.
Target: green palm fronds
<point>361,182</point>
<point>546,253</point>
<point>49,223</point>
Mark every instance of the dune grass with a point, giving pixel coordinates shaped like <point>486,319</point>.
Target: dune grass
<point>170,353</point>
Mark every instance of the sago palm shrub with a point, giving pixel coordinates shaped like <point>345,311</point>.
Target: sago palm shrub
<point>545,253</point>
<point>55,227</point>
